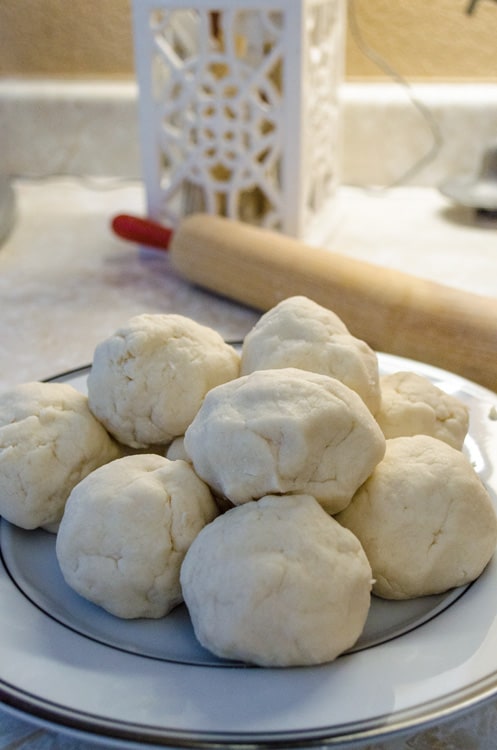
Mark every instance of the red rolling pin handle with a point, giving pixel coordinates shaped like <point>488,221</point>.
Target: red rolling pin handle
<point>142,231</point>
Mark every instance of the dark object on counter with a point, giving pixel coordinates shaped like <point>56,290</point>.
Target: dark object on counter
<point>484,213</point>
<point>480,191</point>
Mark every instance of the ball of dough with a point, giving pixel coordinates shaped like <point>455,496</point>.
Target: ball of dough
<point>413,405</point>
<point>177,450</point>
<point>125,532</point>
<point>148,380</point>
<point>284,431</point>
<point>300,333</point>
<point>424,518</point>
<point>277,584</point>
<point>49,441</point>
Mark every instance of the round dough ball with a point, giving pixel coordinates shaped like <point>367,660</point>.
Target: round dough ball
<point>424,518</point>
<point>413,405</point>
<point>49,441</point>
<point>148,380</point>
<point>277,584</point>
<point>284,431</point>
<point>300,333</point>
<point>176,450</point>
<point>126,530</point>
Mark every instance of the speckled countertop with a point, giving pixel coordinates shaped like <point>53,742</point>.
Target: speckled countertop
<point>66,282</point>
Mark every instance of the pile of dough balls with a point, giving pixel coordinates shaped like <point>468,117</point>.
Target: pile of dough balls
<point>273,490</point>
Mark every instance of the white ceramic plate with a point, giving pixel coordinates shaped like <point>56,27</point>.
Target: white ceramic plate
<point>65,662</point>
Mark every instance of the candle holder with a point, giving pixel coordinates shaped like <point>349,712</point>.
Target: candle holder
<point>239,109</point>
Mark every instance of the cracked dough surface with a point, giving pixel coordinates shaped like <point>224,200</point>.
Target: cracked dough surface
<point>284,431</point>
<point>424,518</point>
<point>148,379</point>
<point>126,530</point>
<point>411,405</point>
<point>49,441</point>
<point>298,332</point>
<point>277,583</point>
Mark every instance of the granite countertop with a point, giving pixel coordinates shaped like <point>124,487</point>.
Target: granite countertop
<point>66,282</point>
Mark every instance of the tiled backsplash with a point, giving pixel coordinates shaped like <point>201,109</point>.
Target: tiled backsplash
<point>90,128</point>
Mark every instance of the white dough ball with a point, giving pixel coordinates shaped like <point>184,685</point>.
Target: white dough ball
<point>300,333</point>
<point>284,431</point>
<point>176,450</point>
<point>424,518</point>
<point>148,379</point>
<point>49,441</point>
<point>413,405</point>
<point>277,584</point>
<point>126,530</point>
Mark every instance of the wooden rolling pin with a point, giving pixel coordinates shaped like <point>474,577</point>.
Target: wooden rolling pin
<point>393,311</point>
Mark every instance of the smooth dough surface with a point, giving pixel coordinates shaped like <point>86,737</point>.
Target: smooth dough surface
<point>177,450</point>
<point>148,379</point>
<point>300,333</point>
<point>284,431</point>
<point>49,441</point>
<point>424,518</point>
<point>413,405</point>
<point>277,583</point>
<point>125,532</point>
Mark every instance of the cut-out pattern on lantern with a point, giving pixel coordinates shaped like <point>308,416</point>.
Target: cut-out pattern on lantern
<point>239,108</point>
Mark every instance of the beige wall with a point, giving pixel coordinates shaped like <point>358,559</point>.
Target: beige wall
<point>419,39</point>
<point>425,39</point>
<point>65,38</point>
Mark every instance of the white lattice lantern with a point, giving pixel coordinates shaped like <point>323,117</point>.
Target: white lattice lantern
<point>239,109</point>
